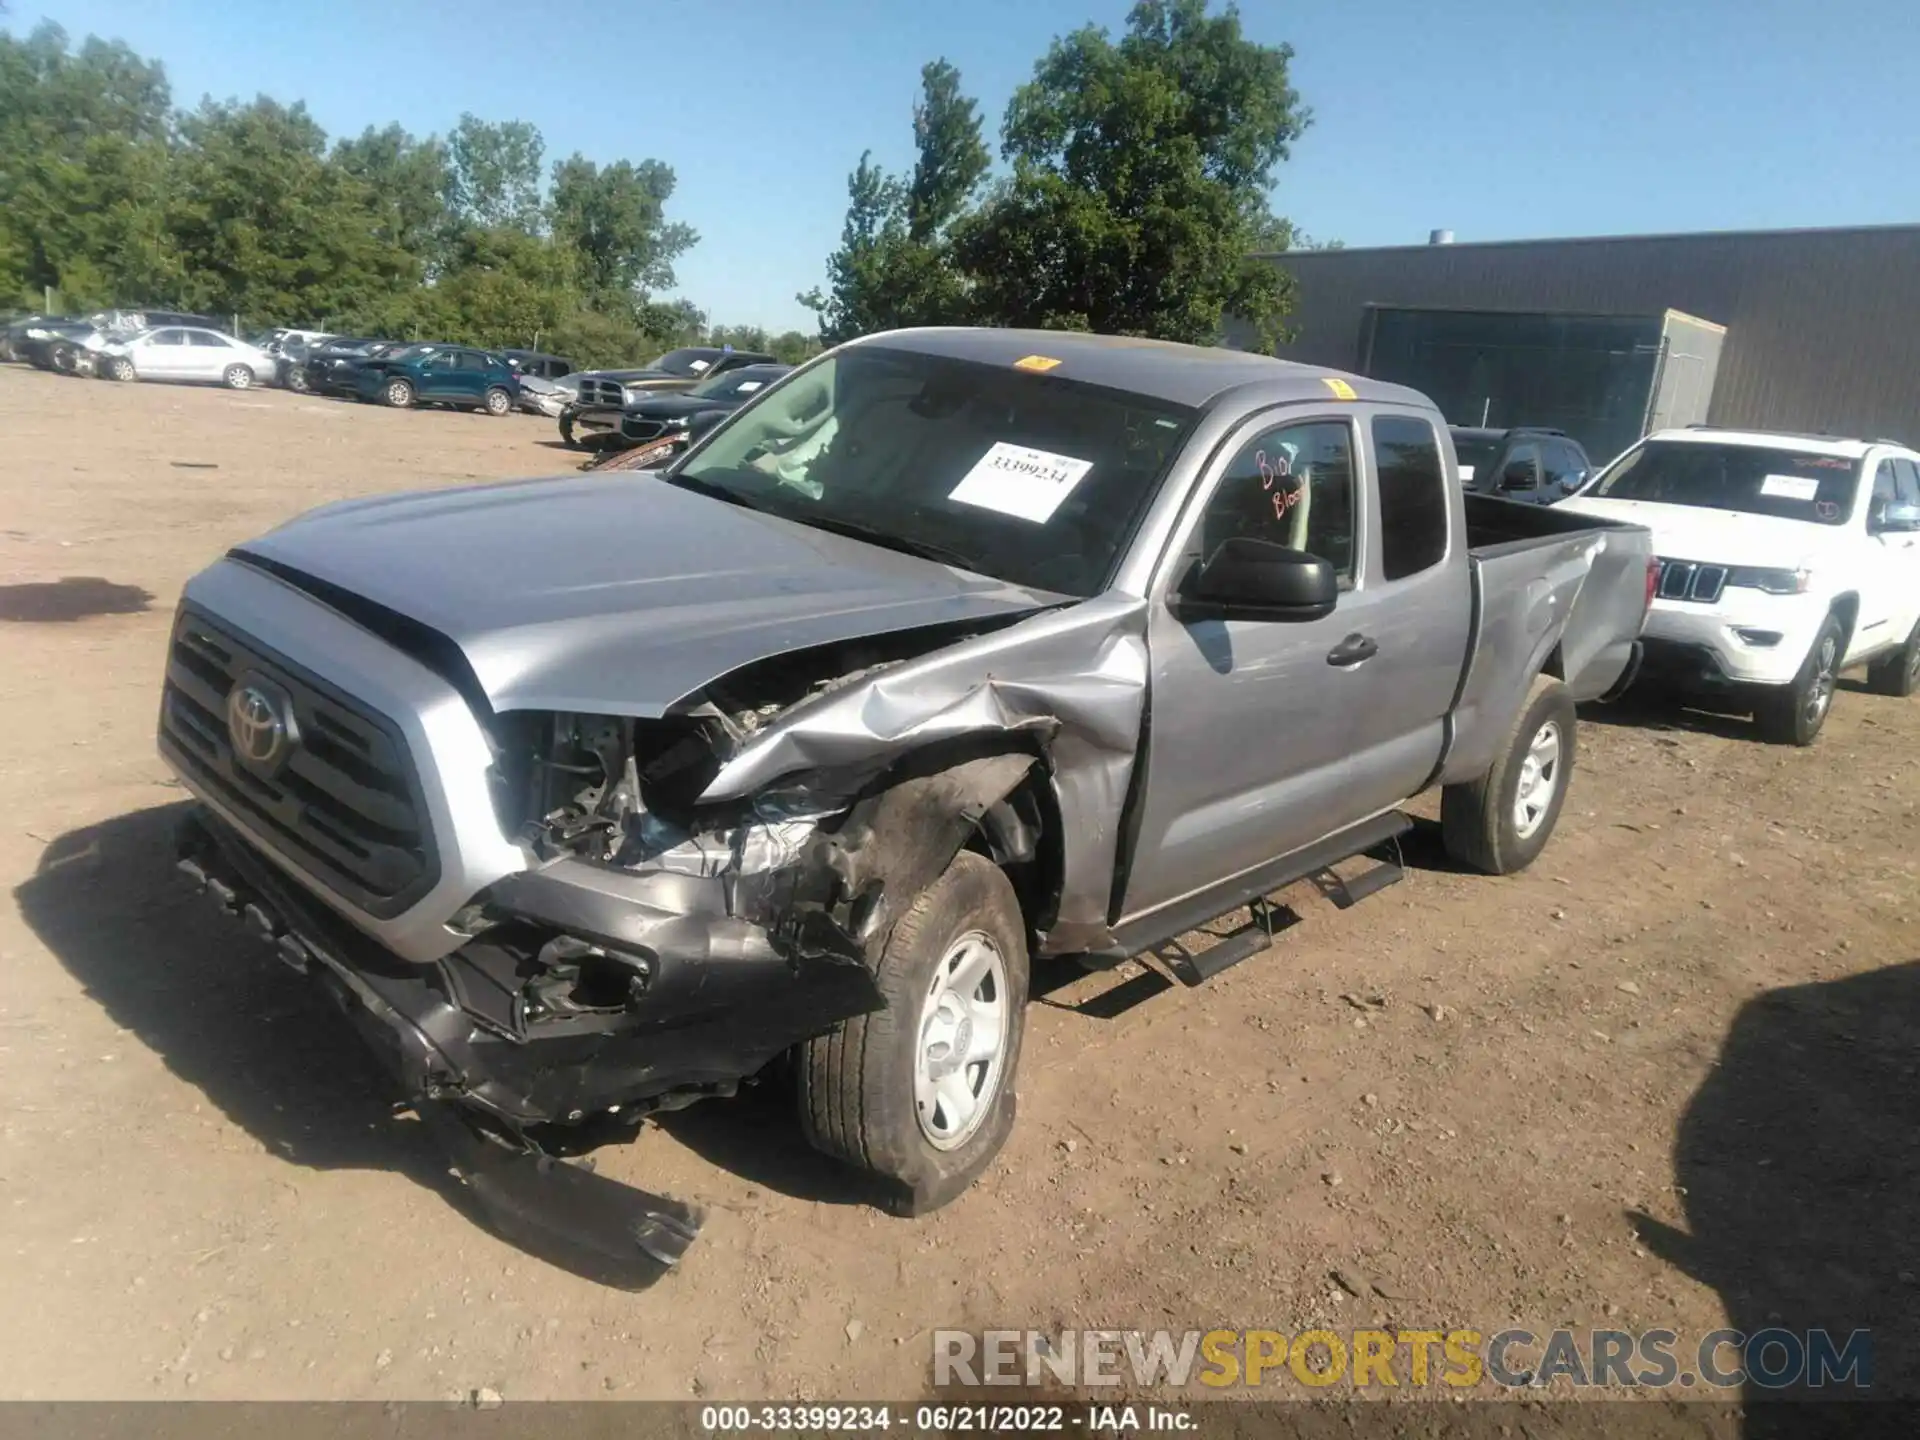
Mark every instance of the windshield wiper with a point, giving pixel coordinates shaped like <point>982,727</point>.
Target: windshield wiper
<point>873,535</point>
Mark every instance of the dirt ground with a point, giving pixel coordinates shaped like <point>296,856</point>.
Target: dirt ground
<point>1667,1077</point>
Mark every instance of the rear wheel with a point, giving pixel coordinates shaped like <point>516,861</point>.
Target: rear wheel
<point>499,402</point>
<point>238,377</point>
<point>566,431</point>
<point>1898,673</point>
<point>921,1092</point>
<point>1501,822</point>
<point>399,394</point>
<point>1792,714</point>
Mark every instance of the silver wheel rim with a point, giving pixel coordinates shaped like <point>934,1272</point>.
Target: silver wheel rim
<point>497,403</point>
<point>1539,780</point>
<point>239,377</point>
<point>962,1041</point>
<point>123,370</point>
<point>396,394</point>
<point>1820,691</point>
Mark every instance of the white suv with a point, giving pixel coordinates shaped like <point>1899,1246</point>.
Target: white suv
<point>1784,559</point>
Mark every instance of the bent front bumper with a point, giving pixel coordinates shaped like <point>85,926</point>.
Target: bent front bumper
<point>683,1007</point>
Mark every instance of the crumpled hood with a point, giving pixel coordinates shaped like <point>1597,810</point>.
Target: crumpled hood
<point>1718,537</point>
<point>619,594</point>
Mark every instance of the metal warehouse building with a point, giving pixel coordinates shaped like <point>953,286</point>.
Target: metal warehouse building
<point>1810,330</point>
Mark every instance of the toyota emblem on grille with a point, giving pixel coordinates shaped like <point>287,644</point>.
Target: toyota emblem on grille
<point>258,723</point>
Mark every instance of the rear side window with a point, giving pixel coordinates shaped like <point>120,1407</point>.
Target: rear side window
<point>1413,496</point>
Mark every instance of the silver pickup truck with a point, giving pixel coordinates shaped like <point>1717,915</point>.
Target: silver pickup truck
<point>594,797</point>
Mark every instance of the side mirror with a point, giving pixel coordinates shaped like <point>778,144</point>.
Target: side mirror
<point>1892,519</point>
<point>703,422</point>
<point>1248,579</point>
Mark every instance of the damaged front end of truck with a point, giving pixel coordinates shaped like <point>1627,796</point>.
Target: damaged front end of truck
<point>697,891</point>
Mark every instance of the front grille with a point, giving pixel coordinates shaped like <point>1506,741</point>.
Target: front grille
<point>636,429</point>
<point>602,392</point>
<point>1690,580</point>
<point>343,802</point>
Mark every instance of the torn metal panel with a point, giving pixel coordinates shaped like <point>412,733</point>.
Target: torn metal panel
<point>1073,679</point>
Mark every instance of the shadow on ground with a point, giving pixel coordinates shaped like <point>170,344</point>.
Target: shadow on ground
<point>1799,1160</point>
<point>77,597</point>
<point>261,1042</point>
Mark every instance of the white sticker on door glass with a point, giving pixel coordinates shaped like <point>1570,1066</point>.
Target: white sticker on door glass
<point>1016,480</point>
<point>1790,487</point>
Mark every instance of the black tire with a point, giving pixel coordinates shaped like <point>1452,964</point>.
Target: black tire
<point>857,1082</point>
<point>238,377</point>
<point>1898,673</point>
<point>1479,821</point>
<point>120,368</point>
<point>499,402</point>
<point>64,359</point>
<point>1792,714</point>
<point>398,393</point>
<point>297,380</point>
<point>566,431</point>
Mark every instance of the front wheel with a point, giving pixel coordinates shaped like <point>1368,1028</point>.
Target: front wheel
<point>1501,822</point>
<point>237,377</point>
<point>566,431</point>
<point>399,394</point>
<point>120,368</point>
<point>499,402</point>
<point>297,380</point>
<point>921,1092</point>
<point>1792,714</point>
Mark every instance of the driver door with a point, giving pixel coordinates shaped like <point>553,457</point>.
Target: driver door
<point>161,355</point>
<point>1248,739</point>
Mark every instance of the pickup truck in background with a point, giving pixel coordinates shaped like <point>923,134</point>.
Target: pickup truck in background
<point>1785,560</point>
<point>592,798</point>
<point>602,395</point>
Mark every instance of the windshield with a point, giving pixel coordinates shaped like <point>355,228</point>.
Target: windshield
<point>732,383</point>
<point>406,352</point>
<point>1027,478</point>
<point>1757,479</point>
<point>684,362</point>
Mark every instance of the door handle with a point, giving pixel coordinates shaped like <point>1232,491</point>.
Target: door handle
<point>1352,650</point>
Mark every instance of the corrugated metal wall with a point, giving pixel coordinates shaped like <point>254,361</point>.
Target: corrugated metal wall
<point>1823,326</point>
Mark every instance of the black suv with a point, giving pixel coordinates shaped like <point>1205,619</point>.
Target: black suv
<point>1529,462</point>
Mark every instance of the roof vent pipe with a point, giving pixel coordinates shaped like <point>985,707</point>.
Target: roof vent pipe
<point>1439,237</point>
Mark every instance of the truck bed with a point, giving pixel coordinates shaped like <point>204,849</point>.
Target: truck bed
<point>1551,587</point>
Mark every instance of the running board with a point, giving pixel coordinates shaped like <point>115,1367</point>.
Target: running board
<point>1256,937</point>
<point>1166,925</point>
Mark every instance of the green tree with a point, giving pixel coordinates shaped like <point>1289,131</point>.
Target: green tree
<point>264,226</point>
<point>495,173</point>
<point>407,182</point>
<point>1141,170</point>
<point>614,221</point>
<point>83,169</point>
<point>895,265</point>
<point>1135,202</point>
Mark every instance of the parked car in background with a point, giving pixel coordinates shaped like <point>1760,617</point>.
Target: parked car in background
<point>604,393</point>
<point>438,374</point>
<point>1530,463</point>
<point>333,366</point>
<point>180,352</point>
<point>1784,560</point>
<point>538,364</point>
<point>663,424</point>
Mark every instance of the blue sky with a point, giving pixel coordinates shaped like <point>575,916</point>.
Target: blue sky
<point>1497,118</point>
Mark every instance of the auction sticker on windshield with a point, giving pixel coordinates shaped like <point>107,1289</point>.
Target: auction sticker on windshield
<point>1790,487</point>
<point>1015,480</point>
